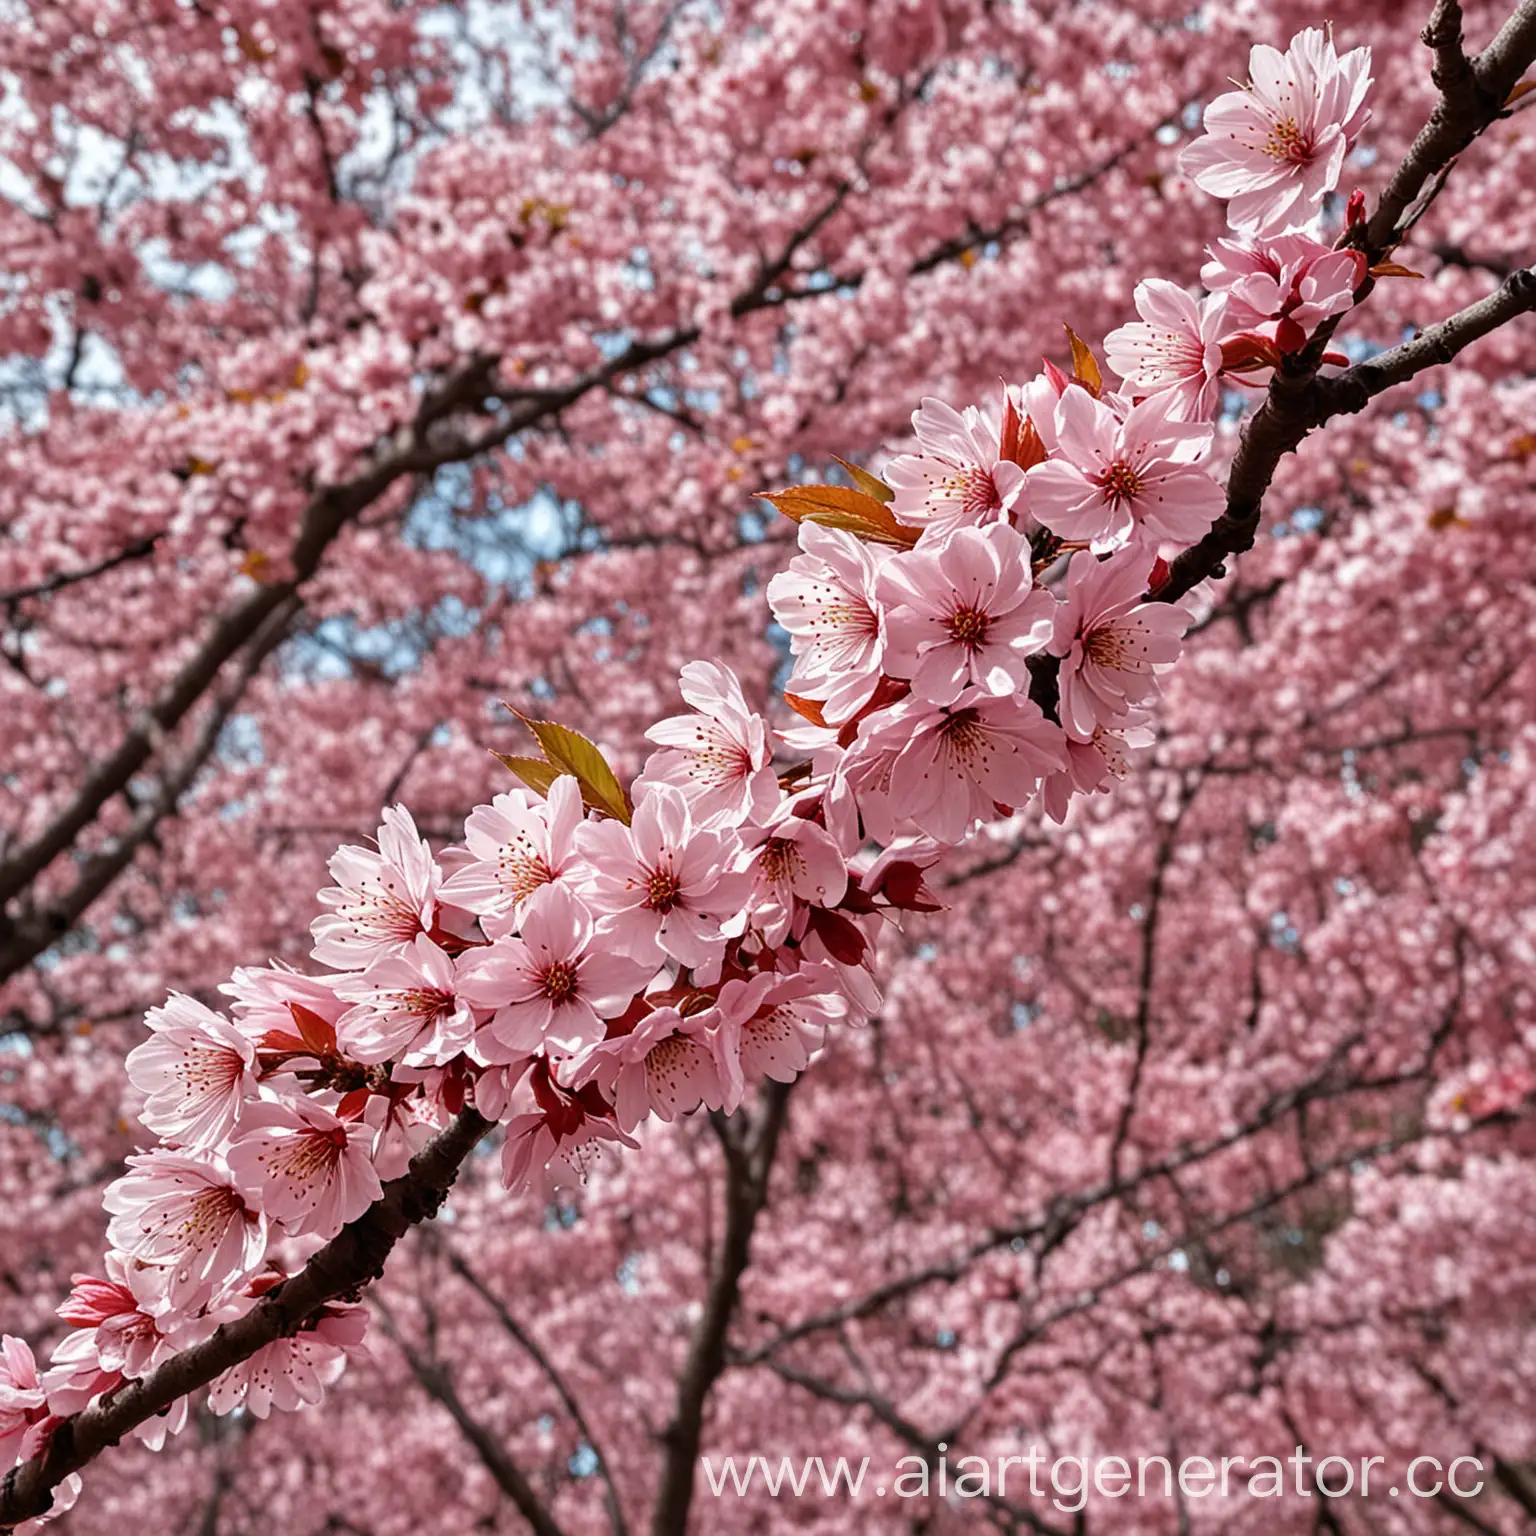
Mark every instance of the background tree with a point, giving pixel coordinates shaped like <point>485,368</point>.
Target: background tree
<point>369,364</point>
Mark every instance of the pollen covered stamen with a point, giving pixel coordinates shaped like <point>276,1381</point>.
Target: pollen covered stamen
<point>522,872</point>
<point>1286,141</point>
<point>426,1002</point>
<point>968,627</point>
<point>964,736</point>
<point>382,915</point>
<point>662,890</point>
<point>1112,647</point>
<point>975,490</point>
<point>559,981</point>
<point>782,860</point>
<point>1120,482</point>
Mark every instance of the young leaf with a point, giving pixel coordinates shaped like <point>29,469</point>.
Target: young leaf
<point>1029,449</point>
<point>835,506</point>
<point>871,485</point>
<point>570,752</point>
<point>1009,438</point>
<point>809,708</point>
<point>533,771</point>
<point>1085,367</point>
<point>317,1035</point>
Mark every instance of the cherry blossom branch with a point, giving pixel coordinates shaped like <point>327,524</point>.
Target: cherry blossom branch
<point>1168,841</point>
<point>343,1266</point>
<point>421,449</point>
<point>1050,1226</point>
<point>33,931</point>
<point>137,550</point>
<point>436,1381</point>
<point>1297,404</point>
<point>530,1346</point>
<point>1081,1301</point>
<point>1354,389</point>
<point>1471,100</point>
<point>749,1153</point>
<point>324,518</point>
<point>1473,95</point>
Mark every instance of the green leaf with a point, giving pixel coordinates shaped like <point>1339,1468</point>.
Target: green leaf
<point>871,485</point>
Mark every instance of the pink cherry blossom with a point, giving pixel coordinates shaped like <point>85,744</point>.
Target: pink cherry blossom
<point>552,986</point>
<point>265,997</point>
<point>1110,641</point>
<point>792,859</point>
<point>665,887</point>
<point>1175,348</point>
<point>771,1024</point>
<point>1118,480</point>
<point>556,1137</point>
<point>965,613</point>
<point>1037,400</point>
<point>666,1066</point>
<point>517,844</point>
<point>195,1073</point>
<point>827,602</point>
<point>1092,763</point>
<point>959,479</point>
<point>115,1338</point>
<point>494,1088</point>
<point>182,1213</point>
<point>719,757</point>
<point>381,900</point>
<point>535,1157</point>
<point>955,763</point>
<point>307,1169</point>
<point>401,1126</point>
<point>293,1372</point>
<point>1285,286</point>
<point>844,945</point>
<point>23,1402</point>
<point>405,1005</point>
<point>897,873</point>
<point>113,1315</point>
<point>1277,146</point>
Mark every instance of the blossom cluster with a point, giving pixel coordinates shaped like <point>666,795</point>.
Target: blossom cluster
<point>975,633</point>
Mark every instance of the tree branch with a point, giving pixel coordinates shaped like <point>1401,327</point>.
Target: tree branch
<point>1047,1226</point>
<point>58,582</point>
<point>34,931</point>
<point>1167,843</point>
<point>1473,93</point>
<point>353,1258</point>
<point>437,1382</point>
<point>530,1345</point>
<point>1354,389</point>
<point>1471,99</point>
<point>749,1153</point>
<point>325,516</point>
<point>1298,403</point>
